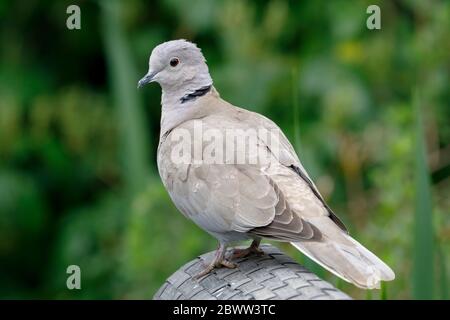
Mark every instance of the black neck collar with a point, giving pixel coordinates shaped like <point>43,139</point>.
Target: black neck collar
<point>197,93</point>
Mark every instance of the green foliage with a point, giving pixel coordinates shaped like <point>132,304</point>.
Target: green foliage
<point>78,181</point>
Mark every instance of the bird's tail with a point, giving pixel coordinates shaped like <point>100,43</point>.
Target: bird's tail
<point>349,260</point>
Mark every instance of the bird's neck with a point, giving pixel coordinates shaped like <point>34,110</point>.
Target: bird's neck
<point>174,94</point>
<point>177,109</point>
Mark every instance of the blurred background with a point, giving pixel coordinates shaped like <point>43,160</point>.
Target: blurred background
<point>367,110</point>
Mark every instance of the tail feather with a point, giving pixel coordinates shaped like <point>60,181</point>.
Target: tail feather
<point>349,260</point>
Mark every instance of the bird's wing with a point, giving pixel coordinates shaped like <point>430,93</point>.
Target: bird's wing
<point>229,197</point>
<point>287,161</point>
<point>298,198</point>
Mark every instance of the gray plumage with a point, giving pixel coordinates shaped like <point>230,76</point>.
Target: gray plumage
<point>275,199</point>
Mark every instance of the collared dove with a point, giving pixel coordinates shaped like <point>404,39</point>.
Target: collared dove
<point>231,200</point>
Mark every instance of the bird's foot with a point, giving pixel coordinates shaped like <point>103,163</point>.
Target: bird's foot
<point>219,261</point>
<point>252,249</point>
<point>215,264</point>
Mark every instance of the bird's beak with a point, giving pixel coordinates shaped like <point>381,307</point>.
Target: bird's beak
<point>149,77</point>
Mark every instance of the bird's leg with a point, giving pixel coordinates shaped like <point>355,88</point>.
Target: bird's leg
<point>253,248</point>
<point>218,261</point>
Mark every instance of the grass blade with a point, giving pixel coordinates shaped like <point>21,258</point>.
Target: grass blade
<point>443,278</point>
<point>423,266</point>
<point>296,113</point>
<point>383,291</point>
<point>129,111</point>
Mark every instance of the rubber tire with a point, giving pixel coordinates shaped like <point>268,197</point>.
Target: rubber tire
<point>272,276</point>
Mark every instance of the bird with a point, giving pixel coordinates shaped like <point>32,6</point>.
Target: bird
<point>266,195</point>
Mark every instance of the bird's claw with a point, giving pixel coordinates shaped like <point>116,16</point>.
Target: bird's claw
<point>213,265</point>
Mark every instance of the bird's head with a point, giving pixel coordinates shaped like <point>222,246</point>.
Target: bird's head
<point>178,66</point>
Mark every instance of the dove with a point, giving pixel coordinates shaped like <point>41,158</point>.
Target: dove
<point>267,194</point>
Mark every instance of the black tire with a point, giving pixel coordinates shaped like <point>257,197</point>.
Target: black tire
<point>272,276</point>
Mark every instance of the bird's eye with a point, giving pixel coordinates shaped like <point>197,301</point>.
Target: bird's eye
<point>174,62</point>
